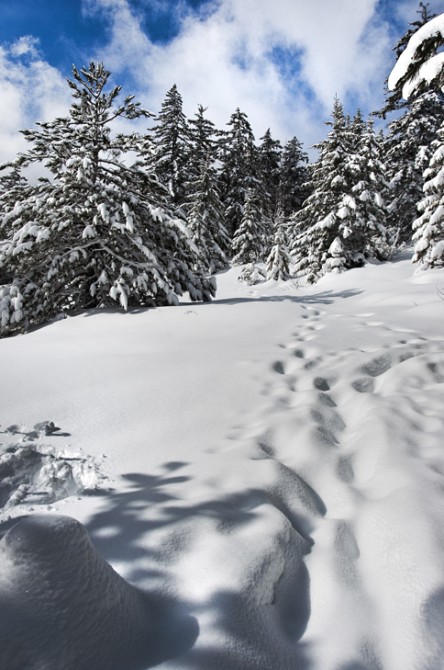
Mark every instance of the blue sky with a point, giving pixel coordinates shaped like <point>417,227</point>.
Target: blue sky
<point>280,61</point>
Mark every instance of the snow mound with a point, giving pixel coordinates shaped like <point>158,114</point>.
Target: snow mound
<point>35,473</point>
<point>63,606</point>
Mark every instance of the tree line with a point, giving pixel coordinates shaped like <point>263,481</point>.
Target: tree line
<point>142,218</point>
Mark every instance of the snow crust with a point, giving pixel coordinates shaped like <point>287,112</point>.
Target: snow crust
<point>274,491</point>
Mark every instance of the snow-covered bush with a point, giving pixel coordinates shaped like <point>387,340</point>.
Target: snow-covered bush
<point>252,274</point>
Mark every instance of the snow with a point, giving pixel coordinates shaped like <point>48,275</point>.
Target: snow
<point>428,70</point>
<point>262,481</point>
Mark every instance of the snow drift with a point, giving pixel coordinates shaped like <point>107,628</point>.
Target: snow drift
<point>63,606</point>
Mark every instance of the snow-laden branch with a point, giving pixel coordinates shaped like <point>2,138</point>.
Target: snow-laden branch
<point>426,71</point>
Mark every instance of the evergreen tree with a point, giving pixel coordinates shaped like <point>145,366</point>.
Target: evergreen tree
<point>408,151</point>
<point>294,186</point>
<point>317,225</point>
<point>203,147</point>
<point>248,241</point>
<point>429,227</point>
<point>206,219</point>
<point>269,160</point>
<point>342,221</point>
<point>239,168</point>
<point>363,210</point>
<point>394,100</point>
<point>96,232</point>
<point>407,145</point>
<point>411,77</point>
<point>420,66</point>
<point>278,261</point>
<point>171,146</point>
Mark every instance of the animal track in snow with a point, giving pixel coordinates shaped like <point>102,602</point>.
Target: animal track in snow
<point>279,367</point>
<point>321,384</point>
<point>364,385</point>
<point>377,366</point>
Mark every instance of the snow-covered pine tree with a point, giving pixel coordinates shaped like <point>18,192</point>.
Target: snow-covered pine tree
<point>96,232</point>
<point>316,226</point>
<point>394,99</point>
<point>205,214</point>
<point>407,144</point>
<point>429,226</point>
<point>364,212</point>
<point>420,68</point>
<point>408,148</point>
<point>278,261</point>
<point>342,222</point>
<point>249,238</point>
<point>269,161</point>
<point>294,185</point>
<point>239,172</point>
<point>203,147</point>
<point>170,152</point>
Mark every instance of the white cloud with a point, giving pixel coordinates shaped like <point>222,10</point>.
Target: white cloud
<point>224,59</point>
<point>31,90</point>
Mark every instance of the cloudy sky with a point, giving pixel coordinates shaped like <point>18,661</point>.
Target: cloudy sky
<point>280,61</point>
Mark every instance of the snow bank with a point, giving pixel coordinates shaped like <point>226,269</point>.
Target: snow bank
<point>63,606</point>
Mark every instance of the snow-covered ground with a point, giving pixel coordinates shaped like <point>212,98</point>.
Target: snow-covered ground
<point>266,474</point>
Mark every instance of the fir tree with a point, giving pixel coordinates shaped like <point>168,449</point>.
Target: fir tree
<point>429,227</point>
<point>411,77</point>
<point>203,146</point>
<point>317,225</point>
<point>407,145</point>
<point>408,151</point>
<point>171,146</point>
<point>206,219</point>
<point>420,66</point>
<point>269,161</point>
<point>363,210</point>
<point>96,232</point>
<point>293,179</point>
<point>239,168</point>
<point>248,241</point>
<point>278,261</point>
<point>394,100</point>
<point>294,186</point>
<point>342,221</point>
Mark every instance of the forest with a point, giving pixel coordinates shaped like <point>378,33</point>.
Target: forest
<point>120,217</point>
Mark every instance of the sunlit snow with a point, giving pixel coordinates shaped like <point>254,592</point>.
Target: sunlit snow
<point>268,475</point>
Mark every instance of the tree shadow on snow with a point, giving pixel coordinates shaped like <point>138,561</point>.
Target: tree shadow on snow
<point>258,635</point>
<point>322,298</point>
<point>267,636</point>
<point>116,531</point>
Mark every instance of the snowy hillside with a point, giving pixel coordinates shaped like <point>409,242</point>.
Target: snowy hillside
<point>265,472</point>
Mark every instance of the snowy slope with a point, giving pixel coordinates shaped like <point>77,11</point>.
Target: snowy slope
<point>269,466</point>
